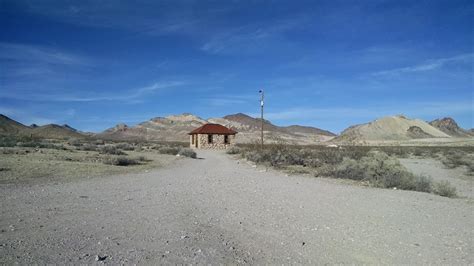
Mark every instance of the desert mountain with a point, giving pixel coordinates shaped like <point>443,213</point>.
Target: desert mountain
<point>11,127</point>
<point>53,131</point>
<point>176,127</point>
<point>391,128</point>
<point>450,127</point>
<point>249,130</point>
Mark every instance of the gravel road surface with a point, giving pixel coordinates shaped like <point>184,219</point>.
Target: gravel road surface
<point>220,210</point>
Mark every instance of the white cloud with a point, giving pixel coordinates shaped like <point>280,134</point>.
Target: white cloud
<point>250,38</point>
<point>39,54</point>
<point>427,65</point>
<point>130,96</point>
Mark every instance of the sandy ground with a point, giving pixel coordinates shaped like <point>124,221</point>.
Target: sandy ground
<point>220,210</point>
<point>434,168</point>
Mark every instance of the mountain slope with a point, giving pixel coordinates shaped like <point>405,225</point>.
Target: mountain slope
<point>308,130</point>
<point>53,131</point>
<point>391,128</point>
<point>249,129</point>
<point>170,128</point>
<point>176,128</point>
<point>450,127</point>
<point>9,126</point>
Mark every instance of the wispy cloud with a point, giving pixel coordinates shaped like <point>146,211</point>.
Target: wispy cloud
<point>427,65</point>
<point>228,100</point>
<point>250,38</point>
<point>39,54</point>
<point>129,96</point>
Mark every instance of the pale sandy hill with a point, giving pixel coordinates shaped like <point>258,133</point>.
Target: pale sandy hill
<point>391,128</point>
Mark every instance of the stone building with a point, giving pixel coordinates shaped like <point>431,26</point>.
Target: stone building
<point>212,136</point>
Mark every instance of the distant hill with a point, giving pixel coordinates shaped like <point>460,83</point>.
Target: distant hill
<point>295,129</point>
<point>250,127</point>
<point>171,128</point>
<point>176,127</point>
<point>53,131</point>
<point>391,128</point>
<point>10,127</point>
<point>450,127</point>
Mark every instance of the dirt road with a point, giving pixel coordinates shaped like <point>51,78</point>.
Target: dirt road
<point>219,210</point>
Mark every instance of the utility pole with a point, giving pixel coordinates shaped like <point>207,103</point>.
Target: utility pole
<point>261,107</point>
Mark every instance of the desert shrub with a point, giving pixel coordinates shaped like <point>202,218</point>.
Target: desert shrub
<point>445,189</point>
<point>168,150</point>
<point>187,152</point>
<point>350,169</point>
<point>233,150</point>
<point>456,158</point>
<point>142,158</point>
<point>89,147</point>
<point>424,184</point>
<point>418,152</point>
<point>35,143</point>
<point>8,150</point>
<point>51,146</point>
<point>125,146</point>
<point>109,149</point>
<point>74,142</point>
<point>314,156</point>
<point>7,141</point>
<point>29,144</point>
<point>99,142</point>
<point>470,168</point>
<point>120,161</point>
<point>378,169</point>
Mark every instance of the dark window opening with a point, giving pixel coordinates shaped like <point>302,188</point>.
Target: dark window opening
<point>226,139</point>
<point>209,139</point>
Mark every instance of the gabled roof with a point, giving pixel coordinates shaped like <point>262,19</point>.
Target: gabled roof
<point>213,129</point>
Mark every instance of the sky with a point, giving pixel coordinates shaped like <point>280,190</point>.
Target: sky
<point>328,64</point>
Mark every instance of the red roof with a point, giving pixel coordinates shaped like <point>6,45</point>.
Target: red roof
<point>213,129</point>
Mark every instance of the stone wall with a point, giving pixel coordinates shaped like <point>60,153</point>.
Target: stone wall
<point>217,143</point>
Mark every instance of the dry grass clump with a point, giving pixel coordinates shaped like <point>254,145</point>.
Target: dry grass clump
<point>168,150</point>
<point>457,158</point>
<point>121,161</point>
<point>445,189</point>
<point>233,150</point>
<point>74,142</point>
<point>110,149</point>
<point>125,146</point>
<point>29,142</point>
<point>88,147</point>
<point>381,170</point>
<point>187,152</point>
<point>282,155</point>
<point>366,164</point>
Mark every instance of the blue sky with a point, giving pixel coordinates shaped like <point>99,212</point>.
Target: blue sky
<point>329,64</point>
